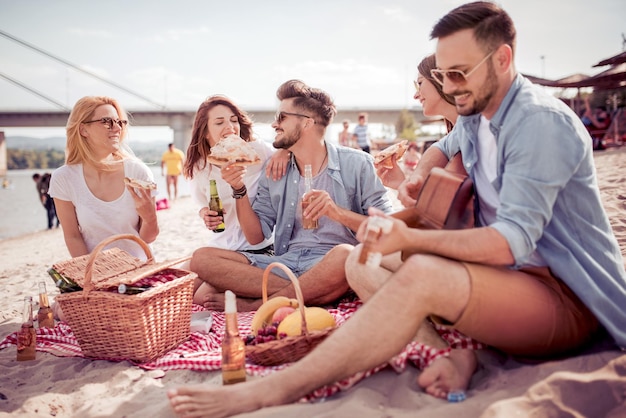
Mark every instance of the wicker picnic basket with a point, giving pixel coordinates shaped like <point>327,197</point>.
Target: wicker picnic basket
<point>138,327</point>
<point>289,349</point>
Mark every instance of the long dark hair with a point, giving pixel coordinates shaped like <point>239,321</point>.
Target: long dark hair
<point>424,68</point>
<point>199,147</point>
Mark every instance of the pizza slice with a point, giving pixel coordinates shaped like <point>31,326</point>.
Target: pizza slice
<point>140,184</point>
<point>233,150</point>
<point>383,158</point>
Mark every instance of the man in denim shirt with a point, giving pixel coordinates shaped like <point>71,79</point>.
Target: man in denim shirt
<point>542,274</point>
<point>539,275</point>
<point>344,186</point>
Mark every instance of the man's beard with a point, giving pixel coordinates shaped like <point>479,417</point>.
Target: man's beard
<point>288,140</point>
<point>484,96</point>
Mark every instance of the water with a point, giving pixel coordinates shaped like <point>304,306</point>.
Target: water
<point>22,213</point>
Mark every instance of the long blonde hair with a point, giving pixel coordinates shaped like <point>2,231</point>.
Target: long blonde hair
<point>77,149</point>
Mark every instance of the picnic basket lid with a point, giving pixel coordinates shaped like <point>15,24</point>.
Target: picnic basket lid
<point>103,269</point>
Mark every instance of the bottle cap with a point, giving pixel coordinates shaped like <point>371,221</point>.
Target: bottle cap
<point>230,302</point>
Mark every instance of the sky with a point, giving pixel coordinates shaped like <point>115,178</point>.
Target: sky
<point>364,53</point>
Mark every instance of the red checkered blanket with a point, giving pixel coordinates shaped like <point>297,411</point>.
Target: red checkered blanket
<point>203,352</point>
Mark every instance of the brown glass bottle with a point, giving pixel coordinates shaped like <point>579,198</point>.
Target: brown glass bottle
<point>45,317</point>
<point>215,204</point>
<point>307,223</point>
<point>233,349</point>
<point>26,336</point>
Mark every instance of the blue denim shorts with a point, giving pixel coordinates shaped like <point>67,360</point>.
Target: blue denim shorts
<point>298,261</point>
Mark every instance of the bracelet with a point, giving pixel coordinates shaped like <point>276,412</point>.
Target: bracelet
<point>240,193</point>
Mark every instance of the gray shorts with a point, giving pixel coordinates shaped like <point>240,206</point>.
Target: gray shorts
<point>298,261</point>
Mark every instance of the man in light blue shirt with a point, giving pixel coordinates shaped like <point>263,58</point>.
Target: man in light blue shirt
<point>360,135</point>
<point>344,186</point>
<point>539,276</point>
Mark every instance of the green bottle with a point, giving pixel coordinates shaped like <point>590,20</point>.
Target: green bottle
<point>215,204</point>
<point>64,284</point>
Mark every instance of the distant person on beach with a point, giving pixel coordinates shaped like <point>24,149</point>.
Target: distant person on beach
<point>540,276</point>
<point>411,157</point>
<point>42,183</point>
<point>345,136</point>
<point>360,135</point>
<point>597,121</point>
<point>92,201</point>
<point>216,118</point>
<point>344,187</point>
<point>171,167</point>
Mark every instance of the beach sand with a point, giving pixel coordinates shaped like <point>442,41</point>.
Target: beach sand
<point>591,384</point>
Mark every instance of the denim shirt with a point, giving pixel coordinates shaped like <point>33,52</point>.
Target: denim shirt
<point>355,186</point>
<point>550,200</point>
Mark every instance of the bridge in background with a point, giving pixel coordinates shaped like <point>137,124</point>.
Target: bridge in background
<point>181,121</point>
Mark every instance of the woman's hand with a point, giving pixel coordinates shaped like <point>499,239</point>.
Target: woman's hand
<point>277,165</point>
<point>144,202</point>
<point>409,190</point>
<point>210,218</point>
<point>146,209</point>
<point>391,177</point>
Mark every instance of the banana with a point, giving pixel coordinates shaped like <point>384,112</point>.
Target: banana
<point>263,316</point>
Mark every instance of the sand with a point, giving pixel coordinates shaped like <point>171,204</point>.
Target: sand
<point>592,384</point>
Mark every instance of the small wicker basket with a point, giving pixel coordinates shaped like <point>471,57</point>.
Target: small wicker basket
<point>289,349</point>
<point>139,327</point>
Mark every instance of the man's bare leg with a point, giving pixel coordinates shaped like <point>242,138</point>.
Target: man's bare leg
<point>230,270</point>
<point>444,374</point>
<point>322,284</point>
<point>175,183</point>
<point>402,301</point>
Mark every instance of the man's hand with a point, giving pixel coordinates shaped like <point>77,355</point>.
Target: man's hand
<point>394,240</point>
<point>234,175</point>
<point>320,205</point>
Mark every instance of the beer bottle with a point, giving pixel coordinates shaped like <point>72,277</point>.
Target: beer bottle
<point>26,336</point>
<point>45,318</point>
<point>307,223</point>
<point>233,350</point>
<point>215,204</point>
<point>64,284</point>
<point>130,290</point>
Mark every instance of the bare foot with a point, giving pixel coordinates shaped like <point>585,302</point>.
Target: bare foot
<point>214,402</point>
<point>203,294</point>
<point>448,373</point>
<point>215,302</point>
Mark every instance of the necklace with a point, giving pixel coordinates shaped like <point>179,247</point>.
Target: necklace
<point>321,165</point>
<point>323,161</point>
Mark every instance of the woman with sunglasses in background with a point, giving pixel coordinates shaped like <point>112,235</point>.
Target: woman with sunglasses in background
<point>91,198</point>
<point>434,103</point>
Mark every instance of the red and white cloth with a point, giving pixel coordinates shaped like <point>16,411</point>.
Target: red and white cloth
<point>202,352</point>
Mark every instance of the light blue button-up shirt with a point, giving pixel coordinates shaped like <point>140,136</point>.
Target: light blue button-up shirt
<point>549,196</point>
<point>355,186</point>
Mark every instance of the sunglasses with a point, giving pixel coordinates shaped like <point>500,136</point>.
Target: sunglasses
<point>457,76</point>
<point>280,116</point>
<point>108,122</point>
<point>417,86</point>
